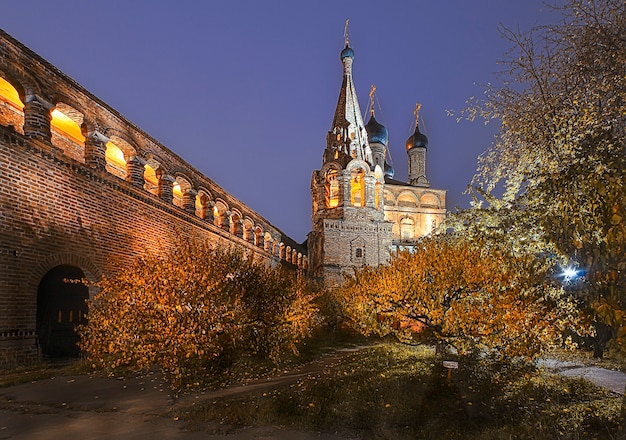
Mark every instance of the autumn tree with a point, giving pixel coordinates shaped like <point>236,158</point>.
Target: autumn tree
<point>553,180</point>
<point>466,293</point>
<point>191,308</point>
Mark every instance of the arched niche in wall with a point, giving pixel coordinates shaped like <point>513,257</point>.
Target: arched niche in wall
<point>180,187</point>
<point>429,200</point>
<point>235,223</point>
<point>150,176</point>
<point>407,199</point>
<point>66,132</point>
<point>11,106</point>
<point>203,200</point>
<point>267,242</point>
<point>219,214</point>
<point>118,151</point>
<point>115,161</point>
<point>258,236</point>
<point>331,188</point>
<point>248,227</point>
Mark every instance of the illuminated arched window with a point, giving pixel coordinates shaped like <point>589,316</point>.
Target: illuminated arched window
<point>202,205</point>
<point>151,180</point>
<point>219,215</point>
<point>235,224</point>
<point>331,189</point>
<point>248,235</point>
<point>267,241</point>
<point>357,188</point>
<point>258,236</point>
<point>378,194</point>
<point>116,163</point>
<point>66,132</point>
<point>11,107</point>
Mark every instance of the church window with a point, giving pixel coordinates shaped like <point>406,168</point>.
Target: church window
<point>357,188</point>
<point>358,253</point>
<point>331,189</point>
<point>377,194</point>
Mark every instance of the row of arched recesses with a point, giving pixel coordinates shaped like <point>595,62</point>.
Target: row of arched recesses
<point>107,149</point>
<point>411,200</point>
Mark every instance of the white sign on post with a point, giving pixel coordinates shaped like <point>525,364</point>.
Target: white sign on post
<point>451,365</point>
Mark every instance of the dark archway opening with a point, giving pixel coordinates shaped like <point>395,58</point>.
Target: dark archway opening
<point>61,306</point>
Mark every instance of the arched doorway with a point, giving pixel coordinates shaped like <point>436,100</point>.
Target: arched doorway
<point>61,306</point>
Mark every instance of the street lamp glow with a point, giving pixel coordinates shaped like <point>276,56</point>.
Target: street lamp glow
<point>569,273</point>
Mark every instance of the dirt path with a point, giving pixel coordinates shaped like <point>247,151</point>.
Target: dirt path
<point>602,377</point>
<point>94,407</point>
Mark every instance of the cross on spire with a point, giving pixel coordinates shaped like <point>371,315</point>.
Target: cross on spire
<point>416,112</point>
<point>371,99</point>
<point>345,32</point>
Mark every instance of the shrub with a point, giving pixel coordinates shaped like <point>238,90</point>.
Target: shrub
<point>193,308</point>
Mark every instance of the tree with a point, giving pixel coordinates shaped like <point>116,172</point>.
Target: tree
<point>557,165</point>
<point>191,308</point>
<point>466,293</point>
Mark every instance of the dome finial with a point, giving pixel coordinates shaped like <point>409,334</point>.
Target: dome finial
<point>416,112</point>
<point>417,139</point>
<point>371,99</point>
<point>345,32</point>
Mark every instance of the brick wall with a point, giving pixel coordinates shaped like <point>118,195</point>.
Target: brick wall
<point>58,208</point>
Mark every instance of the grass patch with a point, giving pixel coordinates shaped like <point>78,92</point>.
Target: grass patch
<point>393,391</point>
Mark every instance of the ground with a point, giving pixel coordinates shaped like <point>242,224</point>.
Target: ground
<point>98,407</point>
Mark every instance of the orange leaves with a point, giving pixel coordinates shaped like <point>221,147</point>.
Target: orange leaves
<point>463,292</point>
<point>182,310</point>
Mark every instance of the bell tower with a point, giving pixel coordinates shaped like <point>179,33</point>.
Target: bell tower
<point>348,226</point>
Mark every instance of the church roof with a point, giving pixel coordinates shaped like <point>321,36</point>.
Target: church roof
<point>347,133</point>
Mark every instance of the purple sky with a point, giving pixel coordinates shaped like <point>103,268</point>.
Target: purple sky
<point>245,90</point>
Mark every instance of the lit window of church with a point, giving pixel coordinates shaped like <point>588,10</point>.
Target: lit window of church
<point>332,189</point>
<point>357,188</point>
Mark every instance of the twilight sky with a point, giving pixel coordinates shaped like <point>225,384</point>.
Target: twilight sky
<point>245,91</point>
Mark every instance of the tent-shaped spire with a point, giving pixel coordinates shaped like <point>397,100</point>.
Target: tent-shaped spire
<point>347,135</point>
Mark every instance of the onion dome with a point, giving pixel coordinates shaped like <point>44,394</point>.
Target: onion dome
<point>389,171</point>
<point>416,140</point>
<point>376,132</point>
<point>347,52</point>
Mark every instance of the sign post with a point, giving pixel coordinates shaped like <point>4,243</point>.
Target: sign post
<point>450,365</point>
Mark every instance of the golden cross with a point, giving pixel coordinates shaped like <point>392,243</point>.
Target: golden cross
<point>372,91</point>
<point>418,106</point>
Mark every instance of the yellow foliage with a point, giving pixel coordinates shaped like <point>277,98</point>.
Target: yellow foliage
<point>465,293</point>
<point>183,310</point>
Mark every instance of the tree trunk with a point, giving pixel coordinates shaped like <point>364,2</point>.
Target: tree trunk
<point>604,333</point>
